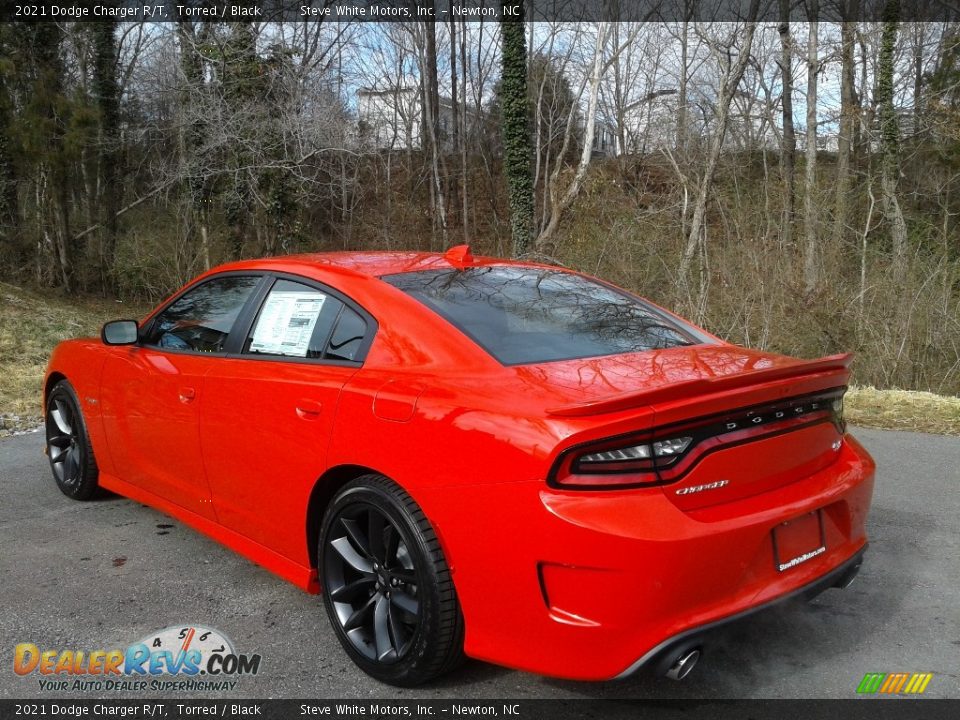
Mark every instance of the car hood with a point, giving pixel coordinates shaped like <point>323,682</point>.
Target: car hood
<point>590,379</point>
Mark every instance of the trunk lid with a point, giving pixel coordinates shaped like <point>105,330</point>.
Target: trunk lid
<point>757,421</point>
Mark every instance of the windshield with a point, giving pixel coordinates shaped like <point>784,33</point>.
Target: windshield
<point>524,315</point>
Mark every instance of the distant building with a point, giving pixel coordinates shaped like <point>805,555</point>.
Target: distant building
<point>392,119</point>
<point>604,140</point>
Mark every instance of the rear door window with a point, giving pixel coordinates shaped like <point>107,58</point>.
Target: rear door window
<point>301,321</point>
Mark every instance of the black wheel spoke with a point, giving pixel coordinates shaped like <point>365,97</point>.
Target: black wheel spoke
<point>377,524</point>
<point>355,590</point>
<point>356,536</point>
<point>346,550</point>
<point>381,630</point>
<point>398,633</point>
<point>69,465</point>
<point>58,414</point>
<point>405,602</point>
<point>60,441</point>
<point>391,541</point>
<point>359,616</point>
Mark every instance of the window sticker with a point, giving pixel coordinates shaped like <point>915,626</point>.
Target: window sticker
<point>286,323</point>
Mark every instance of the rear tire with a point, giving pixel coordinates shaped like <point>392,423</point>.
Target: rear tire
<point>386,585</point>
<point>71,456</point>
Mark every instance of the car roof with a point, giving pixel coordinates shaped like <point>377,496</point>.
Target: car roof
<point>376,263</point>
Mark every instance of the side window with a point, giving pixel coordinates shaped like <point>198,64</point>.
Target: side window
<point>201,319</point>
<point>347,337</point>
<point>294,321</point>
<point>297,320</point>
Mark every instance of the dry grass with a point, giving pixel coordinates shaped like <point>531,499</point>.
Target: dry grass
<point>903,410</point>
<point>30,326</point>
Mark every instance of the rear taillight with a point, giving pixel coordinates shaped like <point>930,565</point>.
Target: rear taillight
<point>619,463</point>
<point>837,414</point>
<point>664,455</point>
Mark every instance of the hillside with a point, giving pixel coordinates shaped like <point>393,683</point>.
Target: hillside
<point>32,324</point>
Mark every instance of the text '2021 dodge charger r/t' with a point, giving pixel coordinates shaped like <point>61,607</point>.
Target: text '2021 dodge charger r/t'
<point>475,457</point>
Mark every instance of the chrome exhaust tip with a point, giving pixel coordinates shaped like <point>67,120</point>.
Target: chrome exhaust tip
<point>684,664</point>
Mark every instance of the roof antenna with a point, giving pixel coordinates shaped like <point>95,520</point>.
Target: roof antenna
<point>459,256</point>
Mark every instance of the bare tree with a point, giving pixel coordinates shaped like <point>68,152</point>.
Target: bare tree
<point>560,201</point>
<point>431,123</point>
<point>788,138</point>
<point>848,111</point>
<point>602,60</point>
<point>890,139</point>
<point>811,217</point>
<point>733,62</point>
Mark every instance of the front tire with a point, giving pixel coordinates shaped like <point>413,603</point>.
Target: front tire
<point>68,444</point>
<point>386,585</point>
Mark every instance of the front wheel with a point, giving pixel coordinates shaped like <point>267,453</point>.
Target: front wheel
<point>68,445</point>
<point>386,584</point>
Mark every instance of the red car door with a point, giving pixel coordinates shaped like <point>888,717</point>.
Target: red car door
<point>268,412</point>
<point>151,392</point>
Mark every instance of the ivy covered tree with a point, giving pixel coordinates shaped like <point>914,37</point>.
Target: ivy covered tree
<point>515,130</point>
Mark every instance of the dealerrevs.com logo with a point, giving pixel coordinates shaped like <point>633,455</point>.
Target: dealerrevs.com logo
<point>177,658</point>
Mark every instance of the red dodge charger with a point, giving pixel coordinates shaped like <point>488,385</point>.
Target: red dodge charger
<point>473,456</point>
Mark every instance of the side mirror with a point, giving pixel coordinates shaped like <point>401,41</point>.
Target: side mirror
<point>119,332</point>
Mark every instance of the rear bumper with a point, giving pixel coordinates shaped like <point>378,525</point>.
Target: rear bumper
<point>580,585</point>
<point>660,658</point>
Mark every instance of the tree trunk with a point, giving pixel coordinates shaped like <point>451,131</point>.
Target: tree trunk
<point>454,120</point>
<point>682,94</point>
<point>465,208</point>
<point>9,200</point>
<point>559,205</point>
<point>918,42</point>
<point>516,131</point>
<point>432,107</point>
<point>732,78</point>
<point>190,133</point>
<point>847,117</point>
<point>788,140</point>
<point>890,139</point>
<point>108,159</point>
<point>811,268</point>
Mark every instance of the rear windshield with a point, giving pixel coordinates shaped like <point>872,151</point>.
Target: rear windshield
<point>524,315</point>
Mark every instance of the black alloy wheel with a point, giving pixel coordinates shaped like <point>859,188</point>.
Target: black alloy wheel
<point>386,585</point>
<point>68,445</point>
<point>372,583</point>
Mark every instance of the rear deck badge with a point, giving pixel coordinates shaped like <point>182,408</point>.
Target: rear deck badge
<point>701,488</point>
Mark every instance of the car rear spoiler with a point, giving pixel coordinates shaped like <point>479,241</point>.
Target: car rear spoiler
<point>704,386</point>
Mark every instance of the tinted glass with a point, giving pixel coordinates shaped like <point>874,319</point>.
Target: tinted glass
<point>530,315</point>
<point>201,319</point>
<point>294,321</point>
<point>347,338</point>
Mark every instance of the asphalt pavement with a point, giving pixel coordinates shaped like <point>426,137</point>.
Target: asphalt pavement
<point>103,574</point>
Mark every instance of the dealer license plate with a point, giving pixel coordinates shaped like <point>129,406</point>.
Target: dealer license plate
<point>798,540</point>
